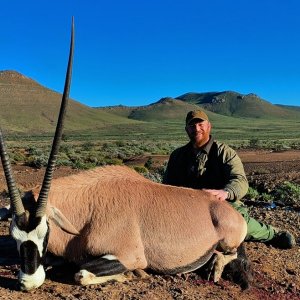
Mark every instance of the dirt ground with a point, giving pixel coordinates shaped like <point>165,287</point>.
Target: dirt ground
<point>276,273</point>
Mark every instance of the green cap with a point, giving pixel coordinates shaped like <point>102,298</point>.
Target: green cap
<point>196,114</point>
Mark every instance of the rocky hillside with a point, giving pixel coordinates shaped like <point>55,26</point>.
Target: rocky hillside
<point>238,105</point>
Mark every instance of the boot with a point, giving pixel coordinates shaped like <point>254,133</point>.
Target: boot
<point>282,240</point>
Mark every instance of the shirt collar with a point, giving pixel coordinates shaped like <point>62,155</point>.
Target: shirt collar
<point>208,145</point>
<point>206,148</point>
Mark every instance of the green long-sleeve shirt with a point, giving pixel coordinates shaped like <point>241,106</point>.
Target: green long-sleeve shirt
<point>216,166</point>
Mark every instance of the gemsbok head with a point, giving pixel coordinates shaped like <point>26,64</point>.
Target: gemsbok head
<point>30,229</point>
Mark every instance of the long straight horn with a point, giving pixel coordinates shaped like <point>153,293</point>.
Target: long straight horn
<point>43,196</point>
<point>15,198</point>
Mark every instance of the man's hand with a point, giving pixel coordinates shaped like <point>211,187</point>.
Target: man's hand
<point>220,194</point>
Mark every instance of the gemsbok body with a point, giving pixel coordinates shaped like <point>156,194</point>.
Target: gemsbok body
<point>111,219</point>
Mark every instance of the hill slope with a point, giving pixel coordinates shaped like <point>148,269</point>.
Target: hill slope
<point>237,105</point>
<point>27,106</point>
<point>31,109</point>
<point>166,109</point>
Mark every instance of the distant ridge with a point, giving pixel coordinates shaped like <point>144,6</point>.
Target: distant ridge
<point>290,107</point>
<point>166,109</point>
<point>11,77</point>
<point>234,104</point>
<point>30,108</point>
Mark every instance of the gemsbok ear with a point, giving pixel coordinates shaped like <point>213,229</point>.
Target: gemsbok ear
<point>61,221</point>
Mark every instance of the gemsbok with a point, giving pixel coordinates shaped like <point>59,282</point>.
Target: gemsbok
<point>111,220</point>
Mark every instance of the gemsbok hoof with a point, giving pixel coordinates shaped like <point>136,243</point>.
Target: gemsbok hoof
<point>84,277</point>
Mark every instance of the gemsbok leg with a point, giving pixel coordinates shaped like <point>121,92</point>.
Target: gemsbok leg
<point>101,270</point>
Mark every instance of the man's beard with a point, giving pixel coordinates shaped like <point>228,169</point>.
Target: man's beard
<point>199,139</point>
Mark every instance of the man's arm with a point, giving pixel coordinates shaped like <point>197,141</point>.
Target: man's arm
<point>222,195</point>
<point>235,181</point>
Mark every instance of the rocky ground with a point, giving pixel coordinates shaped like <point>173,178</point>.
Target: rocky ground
<point>276,273</point>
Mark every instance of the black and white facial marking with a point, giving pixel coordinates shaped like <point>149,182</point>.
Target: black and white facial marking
<point>31,235</point>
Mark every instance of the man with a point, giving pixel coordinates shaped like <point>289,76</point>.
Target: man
<point>207,164</point>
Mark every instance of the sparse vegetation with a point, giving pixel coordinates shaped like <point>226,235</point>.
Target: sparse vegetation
<point>252,194</point>
<point>85,155</point>
<point>287,194</point>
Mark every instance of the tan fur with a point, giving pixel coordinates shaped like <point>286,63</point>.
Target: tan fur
<point>144,224</point>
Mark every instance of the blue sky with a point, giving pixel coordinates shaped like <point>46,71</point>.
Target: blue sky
<point>134,52</point>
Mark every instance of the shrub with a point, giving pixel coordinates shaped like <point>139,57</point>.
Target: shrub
<point>17,157</point>
<point>149,163</point>
<point>261,171</point>
<point>156,177</point>
<point>66,148</point>
<point>33,151</point>
<point>153,176</point>
<point>266,197</point>
<point>113,161</point>
<point>141,169</point>
<point>78,164</point>
<point>288,193</point>
<point>252,194</point>
<point>120,143</point>
<point>37,161</point>
<point>254,143</point>
<point>63,162</point>
<point>87,146</point>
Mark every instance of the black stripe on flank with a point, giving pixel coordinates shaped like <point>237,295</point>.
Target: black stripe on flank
<point>102,267</point>
<point>193,266</point>
<point>30,257</point>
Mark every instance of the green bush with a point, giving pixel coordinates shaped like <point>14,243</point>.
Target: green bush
<point>37,161</point>
<point>66,148</point>
<point>113,161</point>
<point>141,169</point>
<point>87,146</point>
<point>33,151</point>
<point>261,171</point>
<point>63,162</point>
<point>288,193</point>
<point>149,163</point>
<point>78,164</point>
<point>153,176</point>
<point>17,157</point>
<point>266,197</point>
<point>254,143</point>
<point>252,194</point>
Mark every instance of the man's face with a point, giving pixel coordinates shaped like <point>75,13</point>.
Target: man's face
<point>198,132</point>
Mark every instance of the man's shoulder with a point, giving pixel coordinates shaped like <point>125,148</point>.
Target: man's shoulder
<point>224,149</point>
<point>222,146</point>
<point>181,150</point>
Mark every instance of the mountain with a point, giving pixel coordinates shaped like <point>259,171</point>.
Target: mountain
<point>27,106</point>
<point>166,109</point>
<point>234,104</point>
<point>289,107</point>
